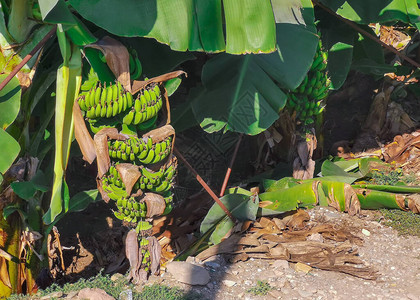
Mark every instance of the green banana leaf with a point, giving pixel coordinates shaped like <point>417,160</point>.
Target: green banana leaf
<point>10,150</point>
<point>287,199</point>
<point>238,96</point>
<point>371,199</point>
<point>242,93</point>
<point>243,207</point>
<point>9,101</point>
<point>188,25</point>
<point>337,40</point>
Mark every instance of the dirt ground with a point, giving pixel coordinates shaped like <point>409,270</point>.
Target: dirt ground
<point>396,258</point>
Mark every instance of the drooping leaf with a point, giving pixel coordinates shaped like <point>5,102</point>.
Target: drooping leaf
<point>80,201</point>
<point>10,150</point>
<point>241,206</point>
<point>238,96</point>
<point>293,57</point>
<point>9,101</point>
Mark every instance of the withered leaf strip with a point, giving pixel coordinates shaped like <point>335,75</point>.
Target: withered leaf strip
<point>138,85</point>
<point>129,174</point>
<point>132,253</point>
<point>83,137</point>
<point>155,204</point>
<point>155,254</point>
<point>159,134</point>
<point>117,58</point>
<point>101,147</point>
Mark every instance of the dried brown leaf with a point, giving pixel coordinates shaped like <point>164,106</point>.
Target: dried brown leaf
<point>101,147</point>
<point>352,203</point>
<point>138,85</point>
<point>129,174</point>
<point>117,58</point>
<point>298,219</point>
<point>155,254</point>
<point>155,204</point>
<point>161,133</point>
<point>83,137</point>
<point>133,254</point>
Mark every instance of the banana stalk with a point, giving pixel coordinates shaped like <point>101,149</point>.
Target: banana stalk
<point>68,85</point>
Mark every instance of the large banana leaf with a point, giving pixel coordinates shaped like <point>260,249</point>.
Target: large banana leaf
<point>196,25</point>
<point>242,93</point>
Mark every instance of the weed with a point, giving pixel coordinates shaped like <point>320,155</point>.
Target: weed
<point>114,288</point>
<point>262,288</point>
<point>406,223</point>
<point>387,178</point>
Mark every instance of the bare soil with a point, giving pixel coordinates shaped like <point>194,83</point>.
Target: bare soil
<point>395,257</point>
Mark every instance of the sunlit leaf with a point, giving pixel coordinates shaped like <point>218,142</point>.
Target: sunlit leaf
<point>9,101</point>
<point>10,150</point>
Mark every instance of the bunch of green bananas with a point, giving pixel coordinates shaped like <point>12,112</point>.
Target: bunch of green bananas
<point>146,106</point>
<point>133,209</point>
<point>308,98</point>
<point>105,102</point>
<point>154,181</point>
<point>140,150</point>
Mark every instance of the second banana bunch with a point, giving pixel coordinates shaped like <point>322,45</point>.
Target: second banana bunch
<point>308,99</point>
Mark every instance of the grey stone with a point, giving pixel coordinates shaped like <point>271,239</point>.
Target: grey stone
<point>280,264</point>
<point>188,273</point>
<point>94,294</point>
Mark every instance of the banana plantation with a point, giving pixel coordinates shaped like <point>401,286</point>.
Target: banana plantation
<point>152,149</point>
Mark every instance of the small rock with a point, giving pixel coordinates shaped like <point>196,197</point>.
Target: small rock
<point>366,232</point>
<point>275,294</point>
<point>116,276</point>
<point>210,286</point>
<point>94,294</point>
<point>299,267</point>
<point>212,264</point>
<point>235,272</point>
<point>57,294</point>
<point>315,237</point>
<point>229,283</point>
<point>188,273</point>
<point>280,264</point>
<point>72,295</point>
<point>305,294</point>
<point>247,282</point>
<point>190,259</point>
<point>126,295</point>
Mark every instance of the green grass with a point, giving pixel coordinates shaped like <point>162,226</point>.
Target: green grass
<point>114,288</point>
<point>261,289</point>
<point>405,222</point>
<point>394,177</point>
